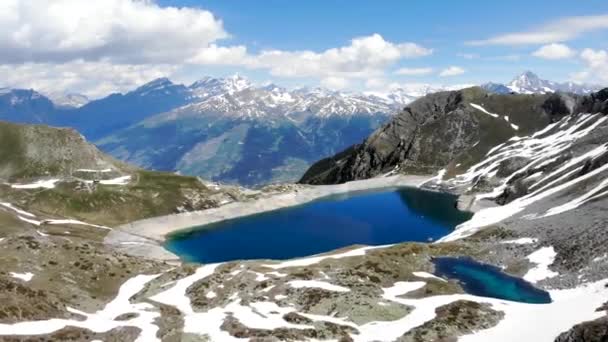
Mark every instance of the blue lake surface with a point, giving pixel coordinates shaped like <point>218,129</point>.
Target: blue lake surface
<point>370,218</point>
<point>489,281</point>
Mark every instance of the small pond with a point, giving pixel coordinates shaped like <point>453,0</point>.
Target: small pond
<point>370,218</point>
<point>489,281</point>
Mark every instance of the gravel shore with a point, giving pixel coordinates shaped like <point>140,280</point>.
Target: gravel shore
<point>145,237</point>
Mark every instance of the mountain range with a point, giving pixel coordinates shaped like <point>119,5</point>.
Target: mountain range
<point>228,129</point>
<point>529,83</point>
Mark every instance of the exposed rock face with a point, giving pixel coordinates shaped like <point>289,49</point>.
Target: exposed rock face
<point>593,331</point>
<point>433,131</point>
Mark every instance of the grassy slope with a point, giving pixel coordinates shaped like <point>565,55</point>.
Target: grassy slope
<point>149,194</point>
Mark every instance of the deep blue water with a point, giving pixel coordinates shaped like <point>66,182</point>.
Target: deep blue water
<point>370,218</point>
<point>489,281</point>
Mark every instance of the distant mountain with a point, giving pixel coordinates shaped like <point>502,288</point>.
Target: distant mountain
<point>229,129</point>
<point>25,106</point>
<point>233,131</point>
<point>69,101</point>
<point>530,83</point>
<point>496,88</point>
<point>101,117</point>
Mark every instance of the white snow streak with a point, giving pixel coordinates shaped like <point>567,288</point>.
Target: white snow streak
<point>46,184</point>
<point>480,108</point>
<point>543,258</point>
<point>23,276</point>
<point>318,284</point>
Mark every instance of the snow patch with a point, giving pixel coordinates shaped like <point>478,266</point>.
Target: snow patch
<point>428,276</point>
<point>41,184</point>
<point>543,258</point>
<point>483,110</point>
<point>521,241</point>
<point>23,276</point>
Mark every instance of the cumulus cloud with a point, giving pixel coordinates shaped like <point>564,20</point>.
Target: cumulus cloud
<point>126,31</point>
<point>554,51</point>
<point>452,71</point>
<point>414,71</point>
<point>364,57</point>
<point>96,79</point>
<point>335,83</point>
<point>137,36</point>
<point>596,70</point>
<point>561,30</point>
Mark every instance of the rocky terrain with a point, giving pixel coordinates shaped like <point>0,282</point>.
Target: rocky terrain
<point>533,167</point>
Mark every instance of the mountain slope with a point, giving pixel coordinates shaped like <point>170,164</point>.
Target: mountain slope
<point>54,173</point>
<point>101,117</point>
<point>25,106</point>
<point>238,133</point>
<point>433,131</point>
<point>69,101</point>
<point>40,151</point>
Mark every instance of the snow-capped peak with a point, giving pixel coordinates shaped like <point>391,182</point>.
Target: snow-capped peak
<point>208,86</point>
<point>529,83</point>
<point>158,84</point>
<point>69,100</point>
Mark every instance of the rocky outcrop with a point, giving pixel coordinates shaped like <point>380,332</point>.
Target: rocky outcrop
<point>592,331</point>
<point>435,130</point>
<point>30,151</point>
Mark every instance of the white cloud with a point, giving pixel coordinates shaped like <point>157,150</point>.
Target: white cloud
<point>335,83</point>
<point>556,31</point>
<point>124,39</point>
<point>363,58</point>
<point>376,83</point>
<point>596,70</point>
<point>414,71</point>
<point>95,79</point>
<point>452,71</point>
<point>554,51</point>
<point>126,31</point>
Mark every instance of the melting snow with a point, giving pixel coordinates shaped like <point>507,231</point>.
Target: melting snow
<point>542,148</point>
<point>17,210</point>
<point>427,276</point>
<point>23,276</point>
<point>480,108</point>
<point>46,184</point>
<point>103,320</point>
<point>28,220</point>
<point>124,180</point>
<point>317,259</point>
<point>543,258</point>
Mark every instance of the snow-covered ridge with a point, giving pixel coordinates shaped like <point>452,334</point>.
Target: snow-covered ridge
<point>238,97</point>
<point>549,164</point>
<point>530,83</point>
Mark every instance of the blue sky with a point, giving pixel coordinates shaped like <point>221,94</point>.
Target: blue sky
<point>444,26</point>
<point>353,44</point>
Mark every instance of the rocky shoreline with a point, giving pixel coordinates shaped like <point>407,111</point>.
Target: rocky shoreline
<point>144,238</point>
